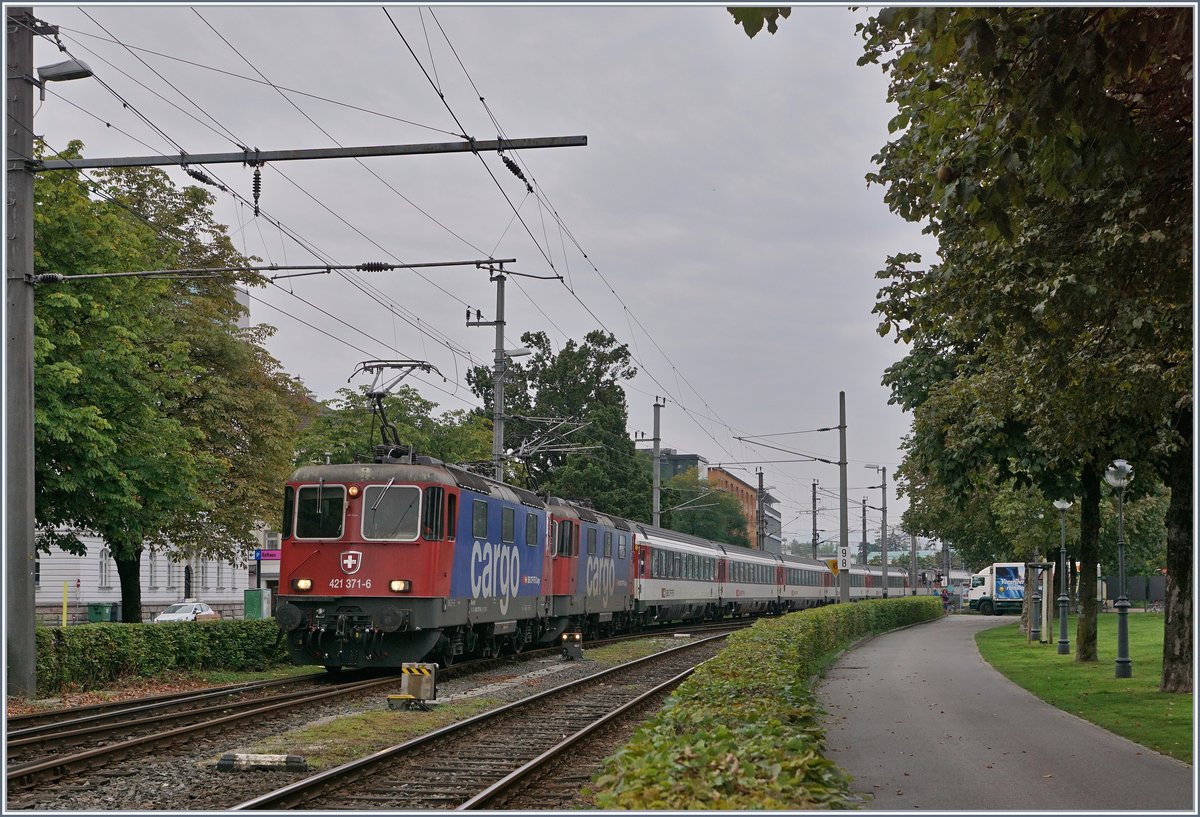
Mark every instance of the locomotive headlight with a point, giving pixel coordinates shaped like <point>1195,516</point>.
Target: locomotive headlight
<point>302,584</point>
<point>400,585</point>
<point>568,637</point>
<point>353,491</point>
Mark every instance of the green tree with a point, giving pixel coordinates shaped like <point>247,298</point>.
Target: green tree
<point>580,384</point>
<point>158,423</point>
<point>346,428</point>
<point>699,510</point>
<point>1049,150</point>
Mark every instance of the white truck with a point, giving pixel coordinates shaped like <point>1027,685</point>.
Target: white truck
<point>998,588</point>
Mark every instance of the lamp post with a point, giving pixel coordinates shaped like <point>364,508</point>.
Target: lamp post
<point>1064,644</point>
<point>883,540</point>
<point>1118,475</point>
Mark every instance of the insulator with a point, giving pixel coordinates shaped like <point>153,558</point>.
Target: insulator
<point>257,187</point>
<point>375,266</point>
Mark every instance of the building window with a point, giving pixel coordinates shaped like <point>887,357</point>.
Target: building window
<point>204,574</point>
<point>220,575</point>
<point>37,572</point>
<point>170,574</point>
<point>105,568</point>
<point>152,572</point>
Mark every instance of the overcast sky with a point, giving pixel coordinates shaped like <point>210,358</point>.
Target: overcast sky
<point>730,238</point>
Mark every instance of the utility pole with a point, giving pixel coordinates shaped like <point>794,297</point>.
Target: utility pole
<point>19,552</point>
<point>19,293</point>
<point>844,541</point>
<point>864,542</point>
<point>814,520</point>
<point>500,364</point>
<point>760,537</point>
<point>656,457</point>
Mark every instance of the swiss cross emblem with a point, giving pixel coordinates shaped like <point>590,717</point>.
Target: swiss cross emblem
<point>351,561</point>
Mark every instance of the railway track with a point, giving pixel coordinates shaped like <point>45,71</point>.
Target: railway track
<point>463,764</point>
<point>51,748</point>
<point>54,754</point>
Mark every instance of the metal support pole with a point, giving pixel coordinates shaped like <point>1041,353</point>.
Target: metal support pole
<point>883,540</point>
<point>498,383</point>
<point>912,565</point>
<point>865,560</point>
<point>657,457</point>
<point>19,552</point>
<point>760,534</point>
<point>814,515</point>
<point>844,540</point>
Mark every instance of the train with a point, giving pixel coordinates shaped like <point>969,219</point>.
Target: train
<point>408,559</point>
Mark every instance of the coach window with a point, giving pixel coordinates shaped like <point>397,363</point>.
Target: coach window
<point>607,544</point>
<point>508,525</point>
<point>319,511</point>
<point>620,546</point>
<point>479,526</point>
<point>431,516</point>
<point>677,573</point>
<point>531,529</point>
<point>451,516</point>
<point>591,537</point>
<point>391,512</point>
<point>656,565</point>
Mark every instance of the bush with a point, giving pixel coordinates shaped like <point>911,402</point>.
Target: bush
<point>743,731</point>
<point>92,656</point>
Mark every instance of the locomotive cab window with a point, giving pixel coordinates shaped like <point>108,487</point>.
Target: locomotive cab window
<point>621,546</point>
<point>608,544</point>
<point>289,511</point>
<point>391,512</point>
<point>566,538</point>
<point>531,529</point>
<point>451,516</point>
<point>432,518</point>
<point>320,511</point>
<point>591,541</point>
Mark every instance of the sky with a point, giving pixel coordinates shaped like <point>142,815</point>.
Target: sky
<point>718,220</point>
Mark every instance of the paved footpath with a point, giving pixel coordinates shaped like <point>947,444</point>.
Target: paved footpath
<point>921,721</point>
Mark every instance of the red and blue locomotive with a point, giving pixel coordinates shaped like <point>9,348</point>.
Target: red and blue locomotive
<point>390,562</point>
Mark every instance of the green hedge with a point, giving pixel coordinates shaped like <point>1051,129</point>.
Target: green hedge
<point>96,655</point>
<point>743,732</point>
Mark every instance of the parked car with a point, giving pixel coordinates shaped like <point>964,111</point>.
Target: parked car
<point>188,611</point>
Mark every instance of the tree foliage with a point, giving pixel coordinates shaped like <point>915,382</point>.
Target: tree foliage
<point>699,510</point>
<point>158,422</point>
<point>346,428</point>
<point>568,425</point>
<point>1049,151</point>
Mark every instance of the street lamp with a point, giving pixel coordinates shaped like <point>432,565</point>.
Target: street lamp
<point>1118,475</point>
<point>1064,643</point>
<point>883,540</point>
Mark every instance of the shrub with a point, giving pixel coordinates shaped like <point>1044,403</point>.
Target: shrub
<point>92,656</point>
<point>743,732</point>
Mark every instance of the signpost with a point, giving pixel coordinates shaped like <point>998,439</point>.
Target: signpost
<point>259,555</point>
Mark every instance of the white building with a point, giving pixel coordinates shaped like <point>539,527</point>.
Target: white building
<point>64,580</point>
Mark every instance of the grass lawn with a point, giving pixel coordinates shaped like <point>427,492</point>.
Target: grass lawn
<point>1130,707</point>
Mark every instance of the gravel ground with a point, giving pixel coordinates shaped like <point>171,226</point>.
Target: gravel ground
<point>185,778</point>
